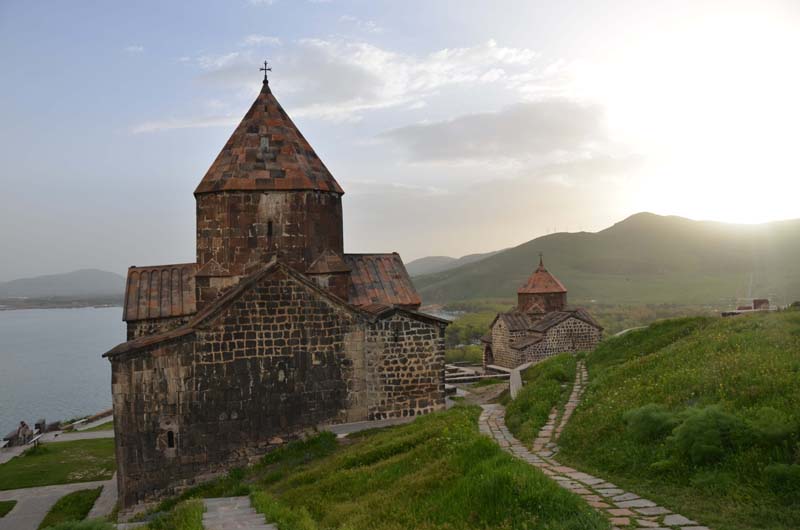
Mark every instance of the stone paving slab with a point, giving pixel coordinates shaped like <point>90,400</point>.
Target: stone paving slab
<point>622,508</point>
<point>233,513</point>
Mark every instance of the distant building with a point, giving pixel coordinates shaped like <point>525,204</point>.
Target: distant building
<point>272,331</point>
<point>541,325</point>
<point>759,304</point>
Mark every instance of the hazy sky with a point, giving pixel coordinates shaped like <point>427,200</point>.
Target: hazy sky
<point>453,126</point>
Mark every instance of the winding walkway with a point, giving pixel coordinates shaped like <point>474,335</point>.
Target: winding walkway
<point>624,509</point>
<point>34,503</point>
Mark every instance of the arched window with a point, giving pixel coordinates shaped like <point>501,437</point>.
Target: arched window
<point>170,439</point>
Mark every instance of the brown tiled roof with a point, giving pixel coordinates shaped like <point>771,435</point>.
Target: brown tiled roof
<point>549,320</point>
<point>487,338</point>
<point>528,340</point>
<point>328,262</point>
<point>541,281</point>
<point>380,279</point>
<point>515,320</point>
<point>267,152</point>
<point>159,292</point>
<point>556,317</point>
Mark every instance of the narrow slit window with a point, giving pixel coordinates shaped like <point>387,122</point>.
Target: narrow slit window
<point>269,234</point>
<point>170,439</point>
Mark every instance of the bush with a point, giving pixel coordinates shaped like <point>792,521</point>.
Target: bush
<point>774,428</point>
<point>784,480</point>
<point>708,434</point>
<point>650,423</point>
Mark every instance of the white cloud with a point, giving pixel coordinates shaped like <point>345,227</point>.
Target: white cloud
<point>261,2</point>
<point>261,40</point>
<point>369,26</point>
<point>134,48</point>
<point>341,79</point>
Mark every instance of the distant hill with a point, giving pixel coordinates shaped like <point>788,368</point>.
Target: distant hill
<point>83,283</point>
<point>434,264</point>
<point>646,258</point>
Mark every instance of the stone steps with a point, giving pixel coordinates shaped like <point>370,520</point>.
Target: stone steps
<point>233,513</point>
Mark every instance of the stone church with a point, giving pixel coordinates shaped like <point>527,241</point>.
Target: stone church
<point>540,326</point>
<point>273,331</point>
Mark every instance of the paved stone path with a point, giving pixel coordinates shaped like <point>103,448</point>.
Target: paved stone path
<point>230,513</point>
<point>59,436</point>
<point>105,503</point>
<point>622,508</point>
<point>34,503</point>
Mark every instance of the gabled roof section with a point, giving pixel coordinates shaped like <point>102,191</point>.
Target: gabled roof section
<point>557,317</point>
<point>160,291</point>
<point>381,279</point>
<point>267,152</point>
<point>542,282</point>
<point>515,320</point>
<point>327,263</point>
<point>528,340</point>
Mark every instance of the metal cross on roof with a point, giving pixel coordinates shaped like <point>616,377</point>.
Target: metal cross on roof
<point>265,69</point>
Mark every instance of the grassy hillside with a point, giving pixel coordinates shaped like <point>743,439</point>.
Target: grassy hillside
<point>436,473</point>
<point>81,283</point>
<point>434,264</point>
<point>644,259</point>
<point>701,415</point>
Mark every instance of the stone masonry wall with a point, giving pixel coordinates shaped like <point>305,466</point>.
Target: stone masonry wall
<point>405,364</point>
<point>504,354</point>
<point>140,328</point>
<point>572,335</point>
<point>274,364</point>
<point>241,230</point>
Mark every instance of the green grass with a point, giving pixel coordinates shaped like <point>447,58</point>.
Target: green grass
<point>186,515</point>
<point>108,426</point>
<point>74,506</point>
<point>436,473</point>
<point>60,463</point>
<point>472,354</point>
<point>701,415</point>
<point>6,506</point>
<point>489,381</point>
<point>547,385</point>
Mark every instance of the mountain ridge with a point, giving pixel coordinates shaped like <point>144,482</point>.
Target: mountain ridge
<point>78,283</point>
<point>645,258</point>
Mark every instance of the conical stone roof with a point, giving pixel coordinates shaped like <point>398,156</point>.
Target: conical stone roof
<point>542,282</point>
<point>267,152</point>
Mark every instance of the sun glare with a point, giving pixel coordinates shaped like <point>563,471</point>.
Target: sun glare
<point>712,104</point>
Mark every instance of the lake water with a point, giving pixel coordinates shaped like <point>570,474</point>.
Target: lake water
<point>51,365</point>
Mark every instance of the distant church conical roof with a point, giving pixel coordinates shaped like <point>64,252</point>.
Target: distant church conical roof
<point>542,282</point>
<point>267,152</point>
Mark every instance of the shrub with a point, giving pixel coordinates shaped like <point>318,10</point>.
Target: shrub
<point>784,480</point>
<point>773,427</point>
<point>650,422</point>
<point>708,434</point>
